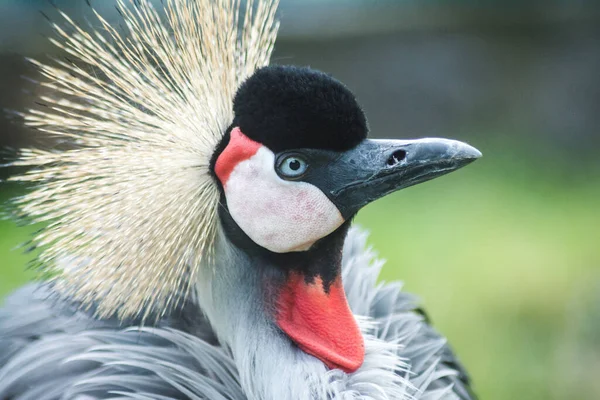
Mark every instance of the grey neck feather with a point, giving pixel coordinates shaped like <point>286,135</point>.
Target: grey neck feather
<point>232,295</point>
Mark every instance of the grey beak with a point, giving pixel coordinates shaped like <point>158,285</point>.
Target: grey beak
<point>376,168</point>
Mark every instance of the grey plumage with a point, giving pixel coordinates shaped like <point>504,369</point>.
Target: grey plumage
<point>50,350</point>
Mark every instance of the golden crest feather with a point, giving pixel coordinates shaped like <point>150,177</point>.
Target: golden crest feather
<point>131,209</point>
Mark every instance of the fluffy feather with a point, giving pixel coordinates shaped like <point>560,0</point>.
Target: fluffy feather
<point>51,352</point>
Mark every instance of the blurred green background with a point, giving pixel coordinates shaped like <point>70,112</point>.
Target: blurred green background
<point>505,253</point>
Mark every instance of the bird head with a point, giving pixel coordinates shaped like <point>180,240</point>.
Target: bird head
<point>182,135</point>
<point>293,169</point>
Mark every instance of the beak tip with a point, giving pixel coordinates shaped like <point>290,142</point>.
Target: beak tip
<point>468,152</point>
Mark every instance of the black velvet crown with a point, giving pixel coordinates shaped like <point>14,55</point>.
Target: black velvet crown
<point>285,107</point>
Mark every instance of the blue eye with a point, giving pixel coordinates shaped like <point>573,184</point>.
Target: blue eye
<point>292,167</point>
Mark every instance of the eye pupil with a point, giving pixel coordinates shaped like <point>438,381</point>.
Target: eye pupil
<point>295,165</point>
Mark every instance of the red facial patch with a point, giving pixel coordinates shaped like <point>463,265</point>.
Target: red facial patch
<point>239,148</point>
<point>320,323</point>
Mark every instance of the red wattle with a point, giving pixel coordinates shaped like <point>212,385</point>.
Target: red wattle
<point>321,323</point>
<point>239,148</point>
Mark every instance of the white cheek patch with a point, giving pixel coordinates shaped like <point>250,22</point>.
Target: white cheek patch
<point>279,215</point>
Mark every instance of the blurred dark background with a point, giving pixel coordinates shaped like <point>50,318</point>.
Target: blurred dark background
<point>505,253</point>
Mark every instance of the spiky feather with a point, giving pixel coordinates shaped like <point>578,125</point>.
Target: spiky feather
<point>131,204</point>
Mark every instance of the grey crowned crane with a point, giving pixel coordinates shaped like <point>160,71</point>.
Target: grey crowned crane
<point>197,233</point>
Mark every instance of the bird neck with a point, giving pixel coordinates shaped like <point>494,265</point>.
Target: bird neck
<point>239,294</point>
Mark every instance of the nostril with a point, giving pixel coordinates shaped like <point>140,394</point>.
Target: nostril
<point>396,157</point>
